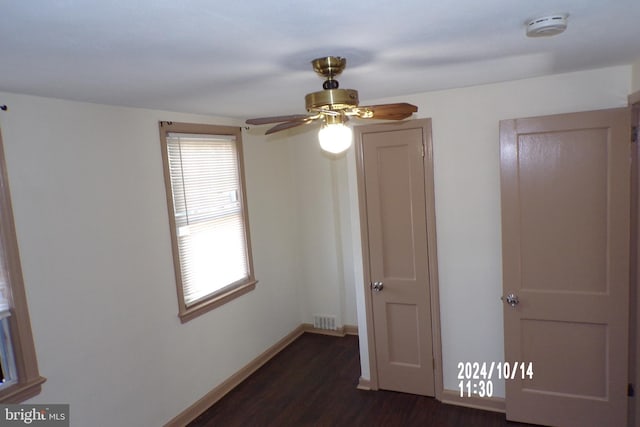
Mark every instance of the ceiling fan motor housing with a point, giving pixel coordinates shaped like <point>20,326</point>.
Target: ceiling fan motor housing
<point>334,99</point>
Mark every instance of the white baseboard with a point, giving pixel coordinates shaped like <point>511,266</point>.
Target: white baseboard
<point>364,384</point>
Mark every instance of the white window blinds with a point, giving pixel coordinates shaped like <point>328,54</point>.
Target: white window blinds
<point>208,211</point>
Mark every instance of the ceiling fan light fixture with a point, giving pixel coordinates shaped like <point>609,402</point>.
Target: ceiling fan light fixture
<point>334,136</point>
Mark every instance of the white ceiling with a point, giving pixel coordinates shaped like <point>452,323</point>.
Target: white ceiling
<point>245,58</point>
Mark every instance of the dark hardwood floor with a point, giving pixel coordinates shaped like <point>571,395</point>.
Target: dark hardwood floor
<point>313,383</point>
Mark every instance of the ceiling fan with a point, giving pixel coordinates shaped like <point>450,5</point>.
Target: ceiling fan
<point>334,107</point>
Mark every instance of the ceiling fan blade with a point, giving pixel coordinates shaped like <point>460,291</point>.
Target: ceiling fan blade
<point>289,125</point>
<point>276,119</point>
<point>398,111</point>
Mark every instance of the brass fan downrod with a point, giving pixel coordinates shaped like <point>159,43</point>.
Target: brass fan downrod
<point>331,98</point>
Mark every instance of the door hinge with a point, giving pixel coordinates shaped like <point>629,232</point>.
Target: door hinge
<point>634,134</point>
<point>434,363</point>
<point>630,391</point>
<point>422,149</point>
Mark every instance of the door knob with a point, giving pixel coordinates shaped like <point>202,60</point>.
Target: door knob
<point>511,299</point>
<point>377,286</point>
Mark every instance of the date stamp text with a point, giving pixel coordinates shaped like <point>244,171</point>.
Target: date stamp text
<point>476,378</point>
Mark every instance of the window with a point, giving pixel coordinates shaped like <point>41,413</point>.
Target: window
<point>208,218</point>
<point>19,377</point>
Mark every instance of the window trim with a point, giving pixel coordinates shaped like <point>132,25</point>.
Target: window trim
<point>229,293</point>
<point>29,379</point>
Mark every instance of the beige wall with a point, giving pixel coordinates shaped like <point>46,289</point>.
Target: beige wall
<point>467,190</point>
<point>635,79</point>
<point>93,232</point>
<point>322,227</point>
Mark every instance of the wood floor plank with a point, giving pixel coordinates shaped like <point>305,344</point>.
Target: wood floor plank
<point>313,383</point>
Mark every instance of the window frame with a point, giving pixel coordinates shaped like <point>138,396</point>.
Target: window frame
<point>229,293</point>
<point>29,380</point>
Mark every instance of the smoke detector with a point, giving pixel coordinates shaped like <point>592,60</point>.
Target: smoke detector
<point>547,25</point>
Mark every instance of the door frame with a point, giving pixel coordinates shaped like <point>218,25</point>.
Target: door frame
<point>634,285</point>
<point>425,125</point>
